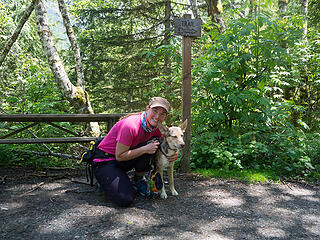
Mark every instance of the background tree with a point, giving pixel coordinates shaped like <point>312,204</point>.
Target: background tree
<point>313,14</point>
<point>282,7</point>
<point>75,94</point>
<point>215,12</point>
<point>17,31</point>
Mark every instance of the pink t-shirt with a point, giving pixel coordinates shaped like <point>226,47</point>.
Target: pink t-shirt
<point>127,131</point>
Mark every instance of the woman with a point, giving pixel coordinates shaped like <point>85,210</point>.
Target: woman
<point>127,148</point>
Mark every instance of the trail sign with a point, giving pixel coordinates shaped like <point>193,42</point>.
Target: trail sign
<point>187,27</point>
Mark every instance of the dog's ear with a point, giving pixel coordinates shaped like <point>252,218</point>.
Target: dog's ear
<point>183,125</point>
<point>163,129</point>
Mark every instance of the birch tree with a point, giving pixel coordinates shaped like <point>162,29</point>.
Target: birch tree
<point>73,42</point>
<point>305,4</point>
<point>17,31</point>
<point>75,94</point>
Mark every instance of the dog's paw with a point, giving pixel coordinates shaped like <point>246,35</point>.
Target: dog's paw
<point>174,193</point>
<point>163,195</point>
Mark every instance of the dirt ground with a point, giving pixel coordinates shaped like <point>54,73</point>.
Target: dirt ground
<point>54,205</point>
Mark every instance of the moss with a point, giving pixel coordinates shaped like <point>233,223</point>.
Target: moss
<point>79,95</point>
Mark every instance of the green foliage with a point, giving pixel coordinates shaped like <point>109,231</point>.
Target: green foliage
<point>295,153</point>
<point>168,85</point>
<point>113,35</point>
<point>27,86</point>
<point>242,117</point>
<point>26,82</point>
<point>230,83</point>
<point>292,153</point>
<point>313,9</point>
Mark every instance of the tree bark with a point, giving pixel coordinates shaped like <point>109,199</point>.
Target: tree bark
<point>235,7</point>
<point>282,4</point>
<point>73,42</point>
<point>253,7</point>
<point>305,4</point>
<point>16,33</point>
<point>167,65</point>
<point>75,94</point>
<point>215,10</point>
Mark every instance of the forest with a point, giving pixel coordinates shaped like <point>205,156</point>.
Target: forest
<point>255,76</point>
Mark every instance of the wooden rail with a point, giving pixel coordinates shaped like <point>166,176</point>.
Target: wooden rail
<point>47,140</point>
<point>111,119</point>
<point>59,117</point>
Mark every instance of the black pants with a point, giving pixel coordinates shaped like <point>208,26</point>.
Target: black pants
<point>113,178</point>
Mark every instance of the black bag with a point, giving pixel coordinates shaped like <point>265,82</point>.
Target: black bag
<point>90,154</point>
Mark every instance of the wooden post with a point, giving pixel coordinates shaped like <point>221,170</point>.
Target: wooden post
<point>186,97</point>
<point>187,28</point>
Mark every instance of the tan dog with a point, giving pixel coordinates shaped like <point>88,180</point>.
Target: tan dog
<point>172,141</point>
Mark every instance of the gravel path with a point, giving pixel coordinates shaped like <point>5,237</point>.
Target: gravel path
<point>49,205</point>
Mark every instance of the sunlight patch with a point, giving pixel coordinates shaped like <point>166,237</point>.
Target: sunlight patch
<point>311,199</point>
<point>229,202</point>
<point>297,191</point>
<point>10,206</point>
<point>225,199</point>
<point>53,186</point>
<point>314,227</point>
<point>272,232</point>
<point>61,224</point>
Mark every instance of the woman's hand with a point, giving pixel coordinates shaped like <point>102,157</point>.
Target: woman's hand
<point>174,157</point>
<point>151,147</point>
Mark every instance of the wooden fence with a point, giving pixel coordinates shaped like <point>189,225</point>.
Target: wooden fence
<point>35,119</point>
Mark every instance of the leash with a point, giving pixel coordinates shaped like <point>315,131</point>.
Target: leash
<point>164,151</point>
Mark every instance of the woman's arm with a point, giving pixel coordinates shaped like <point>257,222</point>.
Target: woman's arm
<point>124,153</point>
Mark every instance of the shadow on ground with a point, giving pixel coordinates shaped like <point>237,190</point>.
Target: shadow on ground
<point>37,205</point>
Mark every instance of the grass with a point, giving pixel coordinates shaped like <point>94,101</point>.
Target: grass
<point>252,176</point>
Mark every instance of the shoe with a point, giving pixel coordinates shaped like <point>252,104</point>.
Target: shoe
<point>143,189</point>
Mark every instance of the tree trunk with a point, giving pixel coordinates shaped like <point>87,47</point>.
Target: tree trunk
<point>73,41</point>
<point>305,15</point>
<point>16,33</point>
<point>253,7</point>
<point>75,94</point>
<point>241,14</point>
<point>167,67</point>
<point>282,4</point>
<point>215,11</point>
